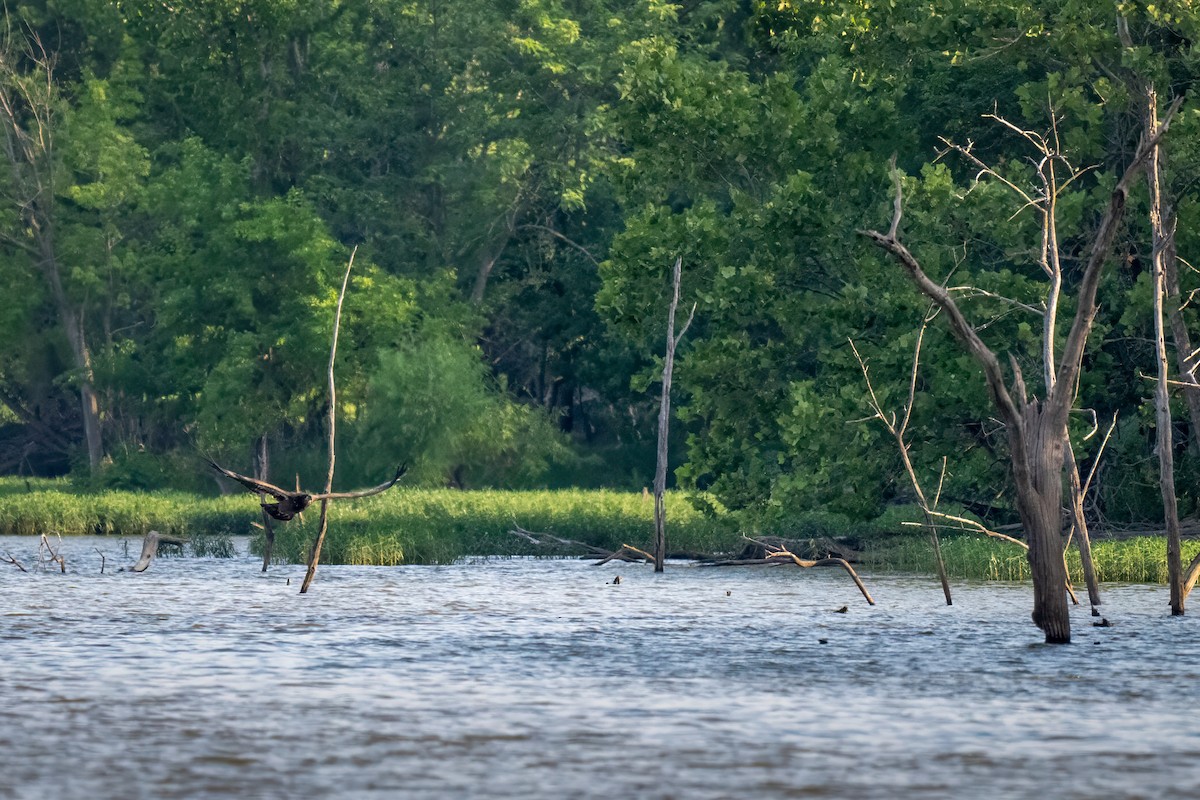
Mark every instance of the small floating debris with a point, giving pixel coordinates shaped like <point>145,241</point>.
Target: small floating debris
<point>616,581</point>
<point>1103,623</point>
<point>822,641</point>
<point>728,592</point>
<point>843,610</point>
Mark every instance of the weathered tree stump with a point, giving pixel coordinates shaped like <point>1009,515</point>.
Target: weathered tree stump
<point>150,549</point>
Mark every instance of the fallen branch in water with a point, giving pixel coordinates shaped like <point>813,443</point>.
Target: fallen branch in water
<point>48,555</point>
<point>150,549</point>
<point>550,540</point>
<point>626,552</point>
<point>778,555</point>
<point>9,559</point>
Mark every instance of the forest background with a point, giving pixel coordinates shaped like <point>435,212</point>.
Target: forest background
<point>182,185</point>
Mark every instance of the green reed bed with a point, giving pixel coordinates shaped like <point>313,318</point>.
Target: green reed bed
<point>1141,559</point>
<point>424,526</point>
<point>59,510</point>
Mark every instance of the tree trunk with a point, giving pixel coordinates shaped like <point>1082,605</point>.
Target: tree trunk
<point>1083,539</point>
<point>89,405</point>
<point>664,421</point>
<point>262,470</point>
<point>1038,463</point>
<point>315,555</point>
<point>1163,238</point>
<point>28,103</point>
<point>1182,340</point>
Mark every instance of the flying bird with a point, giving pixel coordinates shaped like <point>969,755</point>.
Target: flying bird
<point>288,503</point>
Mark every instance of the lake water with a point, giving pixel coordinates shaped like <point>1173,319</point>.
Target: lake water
<point>534,678</point>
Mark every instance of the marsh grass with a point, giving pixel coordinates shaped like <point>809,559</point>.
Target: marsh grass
<point>420,526</point>
<point>440,526</point>
<point>1140,559</point>
<point>59,509</point>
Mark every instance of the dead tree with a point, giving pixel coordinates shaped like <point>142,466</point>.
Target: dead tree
<point>774,554</point>
<point>1162,226</point>
<point>664,418</point>
<point>150,546</point>
<point>898,430</point>
<point>1037,430</point>
<point>48,554</point>
<point>323,521</point>
<point>1045,201</point>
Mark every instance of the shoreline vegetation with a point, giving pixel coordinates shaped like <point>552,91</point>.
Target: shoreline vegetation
<point>440,526</point>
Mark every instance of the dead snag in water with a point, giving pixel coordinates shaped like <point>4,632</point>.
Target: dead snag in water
<point>550,540</point>
<point>628,552</point>
<point>778,555</point>
<point>1037,426</point>
<point>9,559</point>
<point>664,419</point>
<point>150,546</point>
<point>898,430</point>
<point>48,555</point>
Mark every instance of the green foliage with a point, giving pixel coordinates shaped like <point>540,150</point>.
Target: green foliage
<point>431,404</point>
<point>519,179</point>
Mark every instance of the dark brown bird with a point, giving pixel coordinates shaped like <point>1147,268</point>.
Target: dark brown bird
<point>288,503</point>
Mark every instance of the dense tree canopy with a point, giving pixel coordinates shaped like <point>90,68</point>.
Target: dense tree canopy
<point>519,178</point>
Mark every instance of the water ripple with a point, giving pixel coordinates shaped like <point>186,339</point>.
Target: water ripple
<point>527,678</point>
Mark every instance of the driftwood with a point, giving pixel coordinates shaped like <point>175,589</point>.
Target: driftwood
<point>630,553</point>
<point>550,540</point>
<point>10,559</point>
<point>150,549</point>
<point>48,555</point>
<point>776,555</point>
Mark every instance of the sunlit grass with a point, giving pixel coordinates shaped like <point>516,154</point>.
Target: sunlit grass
<point>60,510</point>
<point>423,526</point>
<point>403,526</point>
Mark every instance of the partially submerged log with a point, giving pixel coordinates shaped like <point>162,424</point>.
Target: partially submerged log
<point>150,549</point>
<point>628,553</point>
<point>777,555</point>
<point>549,540</point>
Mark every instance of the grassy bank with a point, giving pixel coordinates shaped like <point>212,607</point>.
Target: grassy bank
<point>1138,560</point>
<point>435,526</point>
<point>43,506</point>
<point>439,526</point>
<point>401,526</point>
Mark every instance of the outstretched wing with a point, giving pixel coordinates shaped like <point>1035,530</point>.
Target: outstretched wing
<point>252,484</point>
<point>365,492</point>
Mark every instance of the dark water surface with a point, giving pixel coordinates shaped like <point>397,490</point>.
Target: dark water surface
<point>524,678</point>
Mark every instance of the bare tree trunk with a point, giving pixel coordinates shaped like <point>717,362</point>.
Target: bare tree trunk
<point>262,471</point>
<point>1162,236</point>
<point>488,256</point>
<point>1184,351</point>
<point>1083,539</point>
<point>1037,467</point>
<point>664,419</point>
<point>315,555</point>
